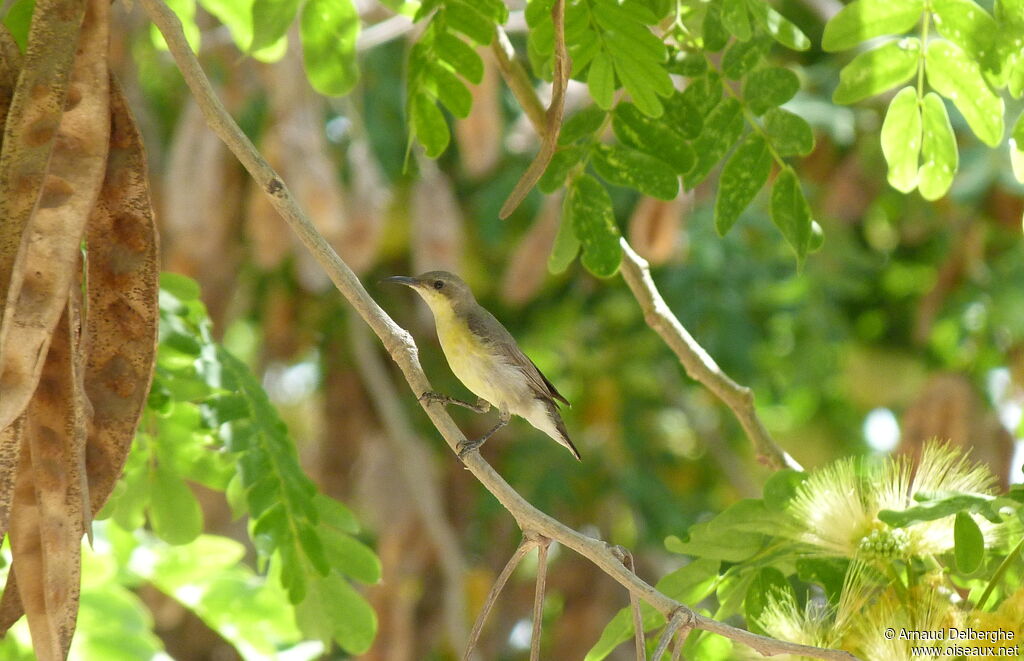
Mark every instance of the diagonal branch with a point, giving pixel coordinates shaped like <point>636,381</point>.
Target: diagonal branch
<point>699,365</point>
<point>640,646</point>
<point>525,546</point>
<point>403,350</point>
<point>552,119</point>
<point>538,597</point>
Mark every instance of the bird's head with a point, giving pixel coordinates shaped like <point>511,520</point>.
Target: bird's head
<point>440,289</point>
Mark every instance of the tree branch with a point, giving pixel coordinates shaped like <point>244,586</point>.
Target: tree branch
<point>699,365</point>
<point>402,349</point>
<point>696,361</point>
<point>560,68</point>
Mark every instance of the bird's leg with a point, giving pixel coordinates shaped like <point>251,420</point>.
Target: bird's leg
<point>467,446</point>
<point>481,406</point>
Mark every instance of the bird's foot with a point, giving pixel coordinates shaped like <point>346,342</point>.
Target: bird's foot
<point>466,446</point>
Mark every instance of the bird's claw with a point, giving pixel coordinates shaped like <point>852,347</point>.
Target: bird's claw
<point>466,446</point>
<point>430,396</point>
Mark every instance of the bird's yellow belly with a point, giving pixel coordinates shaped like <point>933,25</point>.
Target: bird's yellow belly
<point>485,375</point>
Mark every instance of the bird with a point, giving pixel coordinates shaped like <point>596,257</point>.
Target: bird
<point>486,358</point>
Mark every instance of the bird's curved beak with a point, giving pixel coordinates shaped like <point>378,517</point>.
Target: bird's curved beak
<point>402,280</point>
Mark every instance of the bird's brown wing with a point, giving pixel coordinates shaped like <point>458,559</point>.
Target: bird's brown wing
<point>505,345</point>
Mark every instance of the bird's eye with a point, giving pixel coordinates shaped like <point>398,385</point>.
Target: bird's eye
<point>438,284</point>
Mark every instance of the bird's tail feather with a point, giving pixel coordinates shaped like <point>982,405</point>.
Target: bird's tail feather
<point>562,431</point>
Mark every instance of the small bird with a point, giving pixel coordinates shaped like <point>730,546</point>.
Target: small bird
<point>486,358</point>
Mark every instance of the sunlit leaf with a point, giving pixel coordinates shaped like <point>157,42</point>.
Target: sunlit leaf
<point>901,140</point>
<point>939,157</point>
<point>878,70</point>
<point>958,78</point>
<point>628,167</point>
<point>862,20</point>
<point>329,29</point>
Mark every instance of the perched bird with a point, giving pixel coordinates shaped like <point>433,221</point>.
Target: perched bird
<point>486,358</point>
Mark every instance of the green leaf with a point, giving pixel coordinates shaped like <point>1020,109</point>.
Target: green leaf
<point>19,17</point>
<point>953,75</point>
<point>688,585</point>
<point>862,20</point>
<point>645,81</point>
<point>1017,149</point>
<point>180,286</point>
<point>593,222</point>
<point>778,26</point>
<point>735,18</point>
<point>769,585</point>
<point>334,514</point>
<point>877,70</point>
<point>628,167</point>
<point>601,80</point>
<point>329,29</point>
<point>173,509</point>
<point>781,487</point>
<point>939,157</point>
<point>790,134</point>
<point>829,573</point>
<point>734,535</point>
<point>270,20</point>
<point>969,548</point>
<point>713,32</point>
<point>769,88</point>
<point>721,130</point>
<point>742,56</point>
<point>451,91</point>
<point>567,246</point>
<point>939,507</point>
<point>704,93</point>
<point>429,125</point>
<point>334,611</point>
<point>351,557</point>
<point>685,63</point>
<point>558,168</point>
<point>581,125</point>
<point>652,136</point>
<point>901,139</point>
<point>968,26</point>
<point>791,213</point>
<point>743,175</point>
<point>465,18</point>
<point>461,56</point>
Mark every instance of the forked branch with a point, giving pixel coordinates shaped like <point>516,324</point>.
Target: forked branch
<point>403,351</point>
<point>699,365</point>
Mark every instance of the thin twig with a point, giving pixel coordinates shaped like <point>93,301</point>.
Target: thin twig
<point>680,619</point>
<point>403,351</point>
<point>634,606</point>
<point>423,488</point>
<point>699,365</point>
<point>525,546</point>
<point>677,649</point>
<point>560,69</point>
<point>518,80</point>
<point>538,597</point>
